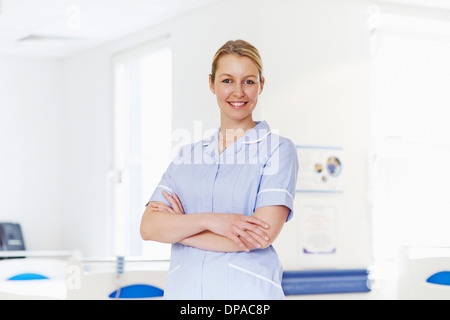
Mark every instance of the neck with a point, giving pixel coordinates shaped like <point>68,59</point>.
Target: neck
<point>240,125</point>
<point>230,131</point>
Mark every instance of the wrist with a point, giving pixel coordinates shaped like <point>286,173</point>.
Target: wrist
<point>206,220</point>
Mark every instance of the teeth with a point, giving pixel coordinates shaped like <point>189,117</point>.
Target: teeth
<point>237,104</point>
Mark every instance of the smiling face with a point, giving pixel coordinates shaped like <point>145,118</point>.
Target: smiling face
<point>237,86</point>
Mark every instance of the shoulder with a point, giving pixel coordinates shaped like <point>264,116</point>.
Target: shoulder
<point>277,143</point>
<point>283,159</point>
<point>270,137</point>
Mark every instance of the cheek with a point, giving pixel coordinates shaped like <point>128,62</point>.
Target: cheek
<point>252,94</point>
<point>223,93</point>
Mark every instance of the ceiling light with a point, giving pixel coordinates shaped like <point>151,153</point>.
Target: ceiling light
<point>40,37</point>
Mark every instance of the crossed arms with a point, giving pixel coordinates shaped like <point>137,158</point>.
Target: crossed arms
<point>212,231</point>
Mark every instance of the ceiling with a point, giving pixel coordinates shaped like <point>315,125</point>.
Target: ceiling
<point>60,28</point>
<point>435,4</point>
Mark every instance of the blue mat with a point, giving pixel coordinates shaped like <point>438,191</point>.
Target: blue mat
<point>325,281</point>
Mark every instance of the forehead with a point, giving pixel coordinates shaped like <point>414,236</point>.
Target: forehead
<point>236,65</point>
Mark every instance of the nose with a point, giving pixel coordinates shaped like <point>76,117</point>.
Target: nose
<point>238,90</point>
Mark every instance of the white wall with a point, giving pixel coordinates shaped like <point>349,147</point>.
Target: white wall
<point>316,66</point>
<point>31,140</point>
<point>88,155</point>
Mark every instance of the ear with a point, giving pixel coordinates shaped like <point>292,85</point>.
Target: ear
<point>262,85</point>
<point>211,85</point>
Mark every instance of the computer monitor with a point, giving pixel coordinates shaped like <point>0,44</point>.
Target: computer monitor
<point>11,238</point>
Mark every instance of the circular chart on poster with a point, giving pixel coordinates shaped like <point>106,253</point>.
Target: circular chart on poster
<point>320,169</point>
<point>327,170</point>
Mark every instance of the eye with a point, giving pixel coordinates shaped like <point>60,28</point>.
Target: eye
<point>249,82</point>
<point>226,81</point>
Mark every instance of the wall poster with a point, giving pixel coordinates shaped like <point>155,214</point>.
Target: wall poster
<point>320,169</point>
<point>319,229</point>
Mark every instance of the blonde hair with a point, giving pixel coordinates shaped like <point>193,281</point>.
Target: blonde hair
<point>241,48</point>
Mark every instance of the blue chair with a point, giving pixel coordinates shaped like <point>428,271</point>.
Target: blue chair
<point>424,277</point>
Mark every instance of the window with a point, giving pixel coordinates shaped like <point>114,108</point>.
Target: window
<point>411,134</point>
<point>142,140</point>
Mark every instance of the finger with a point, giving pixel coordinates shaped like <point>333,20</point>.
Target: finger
<point>162,208</point>
<point>159,205</point>
<point>256,225</point>
<point>171,201</point>
<point>258,238</point>
<point>157,209</point>
<point>257,230</point>
<point>169,209</point>
<point>166,195</point>
<point>257,221</point>
<point>180,205</point>
<point>241,244</point>
<point>178,201</point>
<point>245,235</point>
<point>233,236</point>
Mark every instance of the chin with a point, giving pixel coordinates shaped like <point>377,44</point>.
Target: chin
<point>237,115</point>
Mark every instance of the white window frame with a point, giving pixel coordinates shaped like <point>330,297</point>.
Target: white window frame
<point>129,121</point>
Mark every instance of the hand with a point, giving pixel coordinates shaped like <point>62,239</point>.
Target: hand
<point>237,227</point>
<point>174,201</point>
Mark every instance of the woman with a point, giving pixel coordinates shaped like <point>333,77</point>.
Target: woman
<point>223,200</point>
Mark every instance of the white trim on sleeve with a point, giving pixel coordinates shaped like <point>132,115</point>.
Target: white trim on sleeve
<point>276,190</point>
<point>164,187</point>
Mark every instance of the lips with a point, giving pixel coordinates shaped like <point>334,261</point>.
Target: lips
<point>237,104</point>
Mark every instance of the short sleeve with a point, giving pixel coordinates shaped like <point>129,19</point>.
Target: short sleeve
<point>279,178</point>
<point>165,184</point>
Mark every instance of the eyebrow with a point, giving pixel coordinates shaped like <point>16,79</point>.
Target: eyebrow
<point>230,75</point>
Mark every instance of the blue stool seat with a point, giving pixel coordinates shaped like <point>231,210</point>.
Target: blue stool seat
<point>138,291</point>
